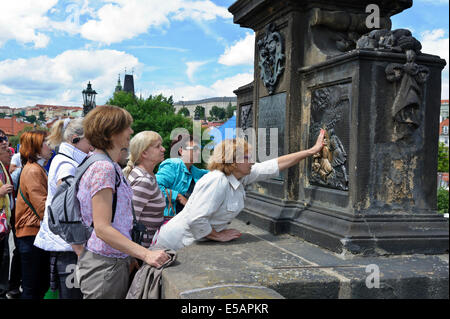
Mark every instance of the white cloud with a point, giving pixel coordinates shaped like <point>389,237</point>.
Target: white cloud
<point>112,22</point>
<point>61,79</point>
<point>223,87</point>
<point>24,20</point>
<point>192,67</point>
<point>242,52</point>
<point>124,19</point>
<point>437,43</point>
<point>200,10</point>
<point>445,88</point>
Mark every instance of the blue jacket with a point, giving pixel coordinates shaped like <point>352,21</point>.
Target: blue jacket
<point>174,175</point>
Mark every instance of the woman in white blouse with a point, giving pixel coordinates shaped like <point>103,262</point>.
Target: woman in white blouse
<point>218,196</point>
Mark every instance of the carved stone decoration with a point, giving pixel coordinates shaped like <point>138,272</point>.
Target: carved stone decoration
<point>406,109</point>
<point>334,32</point>
<point>246,117</point>
<point>407,106</point>
<point>328,167</point>
<point>399,40</point>
<point>271,57</point>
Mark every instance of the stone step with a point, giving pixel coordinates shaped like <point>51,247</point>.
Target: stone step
<point>261,265</point>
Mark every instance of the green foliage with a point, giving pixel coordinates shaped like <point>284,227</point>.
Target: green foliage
<point>184,111</point>
<point>442,158</point>
<point>199,112</point>
<point>230,110</point>
<point>217,113</point>
<point>41,116</point>
<point>2,115</point>
<point>14,140</point>
<point>156,113</point>
<point>442,200</point>
<point>31,118</point>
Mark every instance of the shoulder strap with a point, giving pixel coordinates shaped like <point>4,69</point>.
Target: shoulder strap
<point>114,205</point>
<point>65,155</point>
<point>85,165</point>
<point>169,198</point>
<point>24,198</point>
<point>29,204</point>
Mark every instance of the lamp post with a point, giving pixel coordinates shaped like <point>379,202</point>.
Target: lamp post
<point>88,99</point>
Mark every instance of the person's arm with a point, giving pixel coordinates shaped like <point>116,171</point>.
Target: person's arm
<point>292,159</point>
<point>12,168</point>
<point>37,189</point>
<point>165,179</point>
<point>6,188</point>
<point>102,214</point>
<point>15,163</point>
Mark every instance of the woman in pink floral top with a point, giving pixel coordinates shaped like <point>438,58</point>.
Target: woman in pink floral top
<point>98,177</point>
<point>104,265</point>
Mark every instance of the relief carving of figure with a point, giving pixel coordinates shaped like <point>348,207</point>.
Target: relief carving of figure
<point>328,168</point>
<point>322,160</point>
<point>339,159</point>
<point>246,117</point>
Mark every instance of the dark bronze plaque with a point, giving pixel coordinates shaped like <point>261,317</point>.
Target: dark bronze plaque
<point>272,114</point>
<point>330,110</point>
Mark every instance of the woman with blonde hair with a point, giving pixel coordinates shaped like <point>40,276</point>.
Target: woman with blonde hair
<point>218,196</point>
<point>146,151</point>
<point>68,136</point>
<point>104,266</point>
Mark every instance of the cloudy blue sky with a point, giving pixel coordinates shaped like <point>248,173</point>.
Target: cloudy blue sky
<point>49,49</point>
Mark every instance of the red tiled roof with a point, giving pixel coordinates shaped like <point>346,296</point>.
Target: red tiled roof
<point>442,124</point>
<point>11,127</point>
<point>42,106</point>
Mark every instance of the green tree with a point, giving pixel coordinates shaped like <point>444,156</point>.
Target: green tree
<point>41,116</point>
<point>442,158</point>
<point>217,113</point>
<point>156,113</point>
<point>184,111</point>
<point>14,140</point>
<point>230,110</point>
<point>31,118</point>
<point>442,200</point>
<point>199,112</point>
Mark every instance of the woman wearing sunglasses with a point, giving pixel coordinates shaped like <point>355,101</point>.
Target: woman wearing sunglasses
<point>177,176</point>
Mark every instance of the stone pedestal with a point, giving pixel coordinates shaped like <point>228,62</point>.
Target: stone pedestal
<point>372,190</point>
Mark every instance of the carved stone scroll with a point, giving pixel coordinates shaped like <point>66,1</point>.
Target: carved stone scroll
<point>271,57</point>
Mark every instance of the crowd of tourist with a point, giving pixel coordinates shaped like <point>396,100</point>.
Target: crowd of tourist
<point>176,205</point>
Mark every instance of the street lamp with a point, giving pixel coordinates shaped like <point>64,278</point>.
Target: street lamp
<point>88,99</point>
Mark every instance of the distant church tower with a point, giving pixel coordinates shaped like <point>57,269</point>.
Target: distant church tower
<point>118,86</point>
<point>128,83</point>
